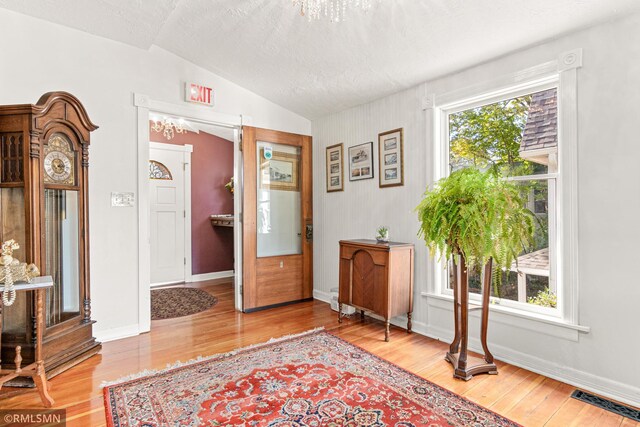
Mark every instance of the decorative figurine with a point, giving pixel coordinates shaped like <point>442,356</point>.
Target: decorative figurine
<point>12,270</point>
<point>229,186</point>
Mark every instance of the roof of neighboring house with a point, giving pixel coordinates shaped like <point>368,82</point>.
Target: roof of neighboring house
<point>541,129</point>
<point>535,261</point>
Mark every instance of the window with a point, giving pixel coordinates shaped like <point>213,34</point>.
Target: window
<point>546,173</point>
<point>516,134</point>
<point>158,170</point>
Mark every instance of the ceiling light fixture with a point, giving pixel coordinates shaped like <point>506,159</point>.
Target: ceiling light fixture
<point>335,10</point>
<point>168,127</point>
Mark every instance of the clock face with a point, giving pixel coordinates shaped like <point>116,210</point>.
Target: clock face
<point>58,161</point>
<point>57,166</point>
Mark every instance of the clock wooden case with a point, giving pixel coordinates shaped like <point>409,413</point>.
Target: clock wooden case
<point>44,161</point>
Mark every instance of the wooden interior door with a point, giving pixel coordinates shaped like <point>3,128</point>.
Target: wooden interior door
<point>277,218</point>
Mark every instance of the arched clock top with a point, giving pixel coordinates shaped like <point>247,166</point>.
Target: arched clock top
<point>64,108</point>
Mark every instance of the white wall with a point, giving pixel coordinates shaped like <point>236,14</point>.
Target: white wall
<point>609,207</point>
<point>39,57</point>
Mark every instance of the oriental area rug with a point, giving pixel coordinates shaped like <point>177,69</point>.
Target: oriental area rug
<point>170,303</point>
<point>311,379</point>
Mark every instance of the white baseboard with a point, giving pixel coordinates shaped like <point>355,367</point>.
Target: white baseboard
<point>400,321</point>
<point>212,276</point>
<point>622,392</point>
<point>322,296</point>
<point>160,284</point>
<point>117,333</point>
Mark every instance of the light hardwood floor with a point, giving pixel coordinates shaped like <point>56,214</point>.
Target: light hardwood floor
<point>523,396</point>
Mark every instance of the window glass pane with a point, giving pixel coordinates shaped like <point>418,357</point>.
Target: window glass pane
<point>531,280</point>
<point>279,211</point>
<point>158,170</point>
<point>517,136</point>
<point>535,273</point>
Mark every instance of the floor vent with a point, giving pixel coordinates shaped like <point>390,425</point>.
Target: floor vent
<point>616,408</point>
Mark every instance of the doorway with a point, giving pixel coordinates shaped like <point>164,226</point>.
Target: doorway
<point>231,124</point>
<point>274,279</point>
<point>191,195</point>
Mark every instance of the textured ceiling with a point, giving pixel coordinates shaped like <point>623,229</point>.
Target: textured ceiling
<point>135,22</point>
<point>317,68</point>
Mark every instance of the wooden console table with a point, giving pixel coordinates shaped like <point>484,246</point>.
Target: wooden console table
<point>35,370</point>
<point>378,278</point>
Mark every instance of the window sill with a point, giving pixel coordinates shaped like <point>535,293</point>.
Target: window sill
<point>516,318</point>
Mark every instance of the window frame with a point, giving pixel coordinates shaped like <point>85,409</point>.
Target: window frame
<point>560,73</point>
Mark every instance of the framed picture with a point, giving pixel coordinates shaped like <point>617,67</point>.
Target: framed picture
<point>361,161</point>
<point>280,172</point>
<point>391,160</point>
<point>335,173</point>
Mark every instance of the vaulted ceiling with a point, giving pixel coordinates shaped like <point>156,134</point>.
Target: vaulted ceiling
<point>317,68</point>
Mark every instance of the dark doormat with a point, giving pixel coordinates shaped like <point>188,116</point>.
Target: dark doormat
<point>177,302</point>
<point>616,408</point>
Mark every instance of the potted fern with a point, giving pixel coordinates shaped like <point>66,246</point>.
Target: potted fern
<point>475,219</point>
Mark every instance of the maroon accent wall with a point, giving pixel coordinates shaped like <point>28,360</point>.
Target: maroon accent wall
<point>211,169</point>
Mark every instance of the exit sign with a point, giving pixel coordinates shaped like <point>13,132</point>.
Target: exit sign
<point>198,94</point>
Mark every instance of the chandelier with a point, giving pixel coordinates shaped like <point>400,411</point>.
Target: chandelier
<point>168,127</point>
<point>335,10</point>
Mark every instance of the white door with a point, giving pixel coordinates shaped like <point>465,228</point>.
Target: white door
<point>167,164</point>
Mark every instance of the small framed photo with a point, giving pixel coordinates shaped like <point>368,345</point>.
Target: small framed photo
<point>280,172</point>
<point>361,161</point>
<point>335,173</point>
<point>391,160</point>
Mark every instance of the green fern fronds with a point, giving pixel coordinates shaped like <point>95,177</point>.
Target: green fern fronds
<point>478,215</point>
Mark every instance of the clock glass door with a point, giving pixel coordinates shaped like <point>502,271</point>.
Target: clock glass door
<point>13,223</point>
<point>13,226</point>
<point>62,254</point>
<point>61,229</point>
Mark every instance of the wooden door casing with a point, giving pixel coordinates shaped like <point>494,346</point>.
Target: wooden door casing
<point>272,281</point>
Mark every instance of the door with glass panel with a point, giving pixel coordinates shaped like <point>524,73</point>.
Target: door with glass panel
<point>277,218</point>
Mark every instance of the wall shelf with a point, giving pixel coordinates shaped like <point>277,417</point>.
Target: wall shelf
<point>222,220</point>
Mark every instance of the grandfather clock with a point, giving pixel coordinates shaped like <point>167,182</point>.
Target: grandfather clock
<point>44,160</point>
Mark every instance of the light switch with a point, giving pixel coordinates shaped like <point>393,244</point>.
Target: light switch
<point>122,200</point>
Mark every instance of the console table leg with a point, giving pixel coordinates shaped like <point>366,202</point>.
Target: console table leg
<point>0,332</point>
<point>362,315</point>
<point>386,331</point>
<point>339,312</point>
<point>40,378</point>
<point>409,322</point>
<point>42,384</point>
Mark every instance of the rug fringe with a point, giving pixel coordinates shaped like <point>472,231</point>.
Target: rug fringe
<point>179,364</point>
